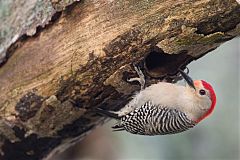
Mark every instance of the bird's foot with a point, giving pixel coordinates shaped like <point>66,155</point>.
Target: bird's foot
<point>140,78</point>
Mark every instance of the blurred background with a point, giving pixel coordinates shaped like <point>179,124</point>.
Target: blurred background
<point>216,138</point>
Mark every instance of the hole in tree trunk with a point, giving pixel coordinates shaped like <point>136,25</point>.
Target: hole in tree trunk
<point>159,64</point>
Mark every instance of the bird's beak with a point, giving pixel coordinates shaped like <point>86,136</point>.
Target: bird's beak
<point>187,79</point>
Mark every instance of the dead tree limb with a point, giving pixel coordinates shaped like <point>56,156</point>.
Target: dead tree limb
<point>51,82</point>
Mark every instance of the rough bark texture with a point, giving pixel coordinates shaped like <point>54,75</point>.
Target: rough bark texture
<point>51,82</point>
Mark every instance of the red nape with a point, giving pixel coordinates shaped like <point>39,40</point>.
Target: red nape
<point>213,98</point>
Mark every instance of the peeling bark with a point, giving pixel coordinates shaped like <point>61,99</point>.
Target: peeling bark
<point>52,81</point>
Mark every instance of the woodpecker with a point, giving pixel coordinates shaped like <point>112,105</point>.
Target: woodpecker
<point>165,108</point>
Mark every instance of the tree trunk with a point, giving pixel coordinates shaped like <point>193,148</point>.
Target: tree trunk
<point>52,80</point>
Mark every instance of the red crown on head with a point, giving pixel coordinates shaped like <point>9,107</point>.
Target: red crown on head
<point>212,97</point>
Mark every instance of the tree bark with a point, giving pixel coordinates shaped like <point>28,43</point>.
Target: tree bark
<point>50,82</point>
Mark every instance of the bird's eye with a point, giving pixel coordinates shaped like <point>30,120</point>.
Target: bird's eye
<point>202,92</point>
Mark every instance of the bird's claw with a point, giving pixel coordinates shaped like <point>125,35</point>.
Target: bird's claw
<point>187,70</point>
<point>140,78</point>
<point>178,76</point>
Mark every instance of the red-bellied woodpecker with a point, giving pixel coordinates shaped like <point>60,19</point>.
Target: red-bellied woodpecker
<point>165,108</point>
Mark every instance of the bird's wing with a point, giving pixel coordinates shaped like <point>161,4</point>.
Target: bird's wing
<point>150,119</point>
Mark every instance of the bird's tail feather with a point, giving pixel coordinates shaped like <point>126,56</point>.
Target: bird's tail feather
<point>107,113</point>
<point>120,129</point>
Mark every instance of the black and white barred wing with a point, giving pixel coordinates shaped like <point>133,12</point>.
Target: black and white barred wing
<point>154,120</point>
